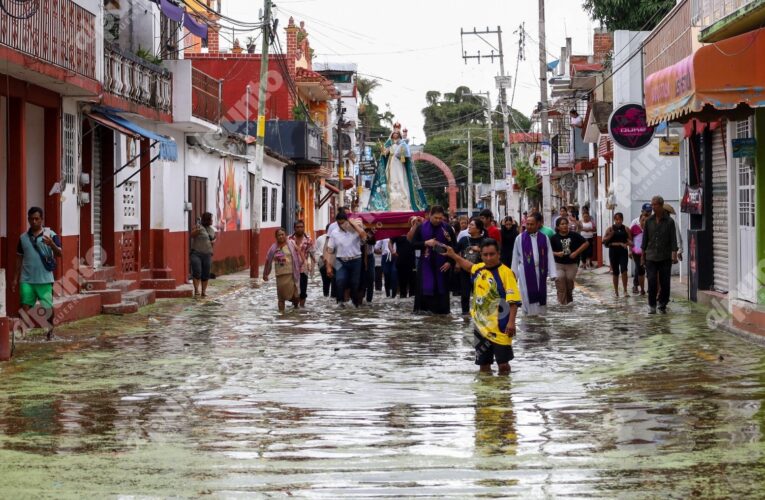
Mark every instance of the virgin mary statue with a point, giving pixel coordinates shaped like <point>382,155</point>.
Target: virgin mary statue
<point>396,187</point>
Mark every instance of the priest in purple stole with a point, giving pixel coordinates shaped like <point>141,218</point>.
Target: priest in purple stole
<point>433,268</point>
<point>533,264</point>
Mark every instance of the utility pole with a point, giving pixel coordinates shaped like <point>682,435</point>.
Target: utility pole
<point>470,176</point>
<point>493,199</point>
<point>340,161</point>
<point>546,188</point>
<point>503,82</point>
<point>260,143</point>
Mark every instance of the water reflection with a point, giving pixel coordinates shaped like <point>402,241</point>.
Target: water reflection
<point>230,398</point>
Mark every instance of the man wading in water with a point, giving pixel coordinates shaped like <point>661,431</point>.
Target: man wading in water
<point>494,306</point>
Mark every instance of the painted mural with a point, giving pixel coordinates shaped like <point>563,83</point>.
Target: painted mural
<point>229,198</point>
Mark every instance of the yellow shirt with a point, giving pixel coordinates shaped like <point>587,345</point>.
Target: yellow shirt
<point>489,313</point>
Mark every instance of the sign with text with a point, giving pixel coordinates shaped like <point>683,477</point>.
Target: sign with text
<point>669,146</point>
<point>541,158</point>
<point>628,128</point>
<point>744,148</point>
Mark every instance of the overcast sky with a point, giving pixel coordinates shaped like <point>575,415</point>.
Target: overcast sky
<point>414,46</point>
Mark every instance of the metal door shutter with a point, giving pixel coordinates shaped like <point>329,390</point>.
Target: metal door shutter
<point>720,210</point>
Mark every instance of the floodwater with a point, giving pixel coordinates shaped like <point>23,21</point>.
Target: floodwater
<point>227,398</point>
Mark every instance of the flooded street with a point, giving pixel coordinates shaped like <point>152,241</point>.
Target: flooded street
<point>230,399</point>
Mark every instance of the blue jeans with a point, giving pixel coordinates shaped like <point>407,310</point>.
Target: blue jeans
<point>347,276</point>
<point>391,276</point>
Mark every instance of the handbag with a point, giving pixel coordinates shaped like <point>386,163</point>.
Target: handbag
<point>692,202</point>
<point>48,261</point>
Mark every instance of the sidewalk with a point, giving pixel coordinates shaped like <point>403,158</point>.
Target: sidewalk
<point>712,304</point>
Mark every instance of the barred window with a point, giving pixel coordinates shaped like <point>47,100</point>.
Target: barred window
<point>264,206</point>
<point>274,195</point>
<point>67,172</point>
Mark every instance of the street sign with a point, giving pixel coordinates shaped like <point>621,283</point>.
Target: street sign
<point>503,82</point>
<point>744,148</point>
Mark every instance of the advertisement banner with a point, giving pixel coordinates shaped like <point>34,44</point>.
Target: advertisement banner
<point>628,128</point>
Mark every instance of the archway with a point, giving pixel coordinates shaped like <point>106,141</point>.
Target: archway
<point>451,188</point>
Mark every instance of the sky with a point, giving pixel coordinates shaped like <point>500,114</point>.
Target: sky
<point>413,47</point>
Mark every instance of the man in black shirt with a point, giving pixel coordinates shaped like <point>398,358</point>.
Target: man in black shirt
<point>567,246</point>
<point>659,253</point>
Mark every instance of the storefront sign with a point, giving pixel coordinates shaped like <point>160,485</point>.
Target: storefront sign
<point>669,146</point>
<point>628,127</point>
<point>744,148</point>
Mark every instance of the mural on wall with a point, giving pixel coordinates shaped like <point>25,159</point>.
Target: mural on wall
<point>229,198</point>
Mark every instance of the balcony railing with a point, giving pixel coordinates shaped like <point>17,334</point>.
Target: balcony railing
<point>205,96</point>
<point>138,81</point>
<point>60,32</point>
<point>708,12</point>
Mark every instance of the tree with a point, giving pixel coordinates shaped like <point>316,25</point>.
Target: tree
<point>432,97</point>
<point>365,86</point>
<point>628,14</point>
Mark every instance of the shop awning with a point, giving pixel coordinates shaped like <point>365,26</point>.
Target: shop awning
<point>721,77</point>
<point>106,117</point>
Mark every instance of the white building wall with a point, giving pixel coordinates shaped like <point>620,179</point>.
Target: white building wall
<point>36,189</point>
<point>639,175</point>
<point>273,176</point>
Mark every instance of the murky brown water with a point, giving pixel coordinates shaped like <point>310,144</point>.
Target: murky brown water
<point>231,399</point>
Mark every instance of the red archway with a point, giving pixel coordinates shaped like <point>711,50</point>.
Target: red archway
<point>451,183</point>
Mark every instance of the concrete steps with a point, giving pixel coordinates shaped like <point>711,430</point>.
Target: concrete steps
<point>182,292</point>
<point>158,284</point>
<point>140,297</point>
<point>108,297</point>
<point>124,285</point>
<point>94,285</point>
<point>121,308</point>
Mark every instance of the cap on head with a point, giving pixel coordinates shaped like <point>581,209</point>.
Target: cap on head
<point>647,207</point>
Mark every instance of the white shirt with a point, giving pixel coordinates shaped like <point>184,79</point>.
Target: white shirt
<point>344,244</point>
<point>318,253</point>
<point>463,234</point>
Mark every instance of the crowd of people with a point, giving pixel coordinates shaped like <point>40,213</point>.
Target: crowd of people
<point>495,269</point>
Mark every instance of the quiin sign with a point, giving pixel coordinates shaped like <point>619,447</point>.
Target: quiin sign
<point>628,127</point>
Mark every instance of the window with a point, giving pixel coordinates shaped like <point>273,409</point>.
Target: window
<point>274,195</point>
<point>67,174</point>
<point>264,206</point>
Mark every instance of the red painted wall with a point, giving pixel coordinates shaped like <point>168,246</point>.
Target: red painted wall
<point>239,70</point>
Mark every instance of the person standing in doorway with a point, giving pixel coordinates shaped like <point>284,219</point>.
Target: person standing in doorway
<point>567,246</point>
<point>494,306</point>
<point>533,264</point>
<point>659,253</point>
<point>202,241</point>
<point>618,240</point>
<point>285,258</point>
<point>36,254</point>
<point>304,244</point>
<point>433,269</point>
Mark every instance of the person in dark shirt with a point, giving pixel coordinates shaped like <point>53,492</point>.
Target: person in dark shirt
<point>405,265</point>
<point>469,248</point>
<point>567,247</point>
<point>433,269</point>
<point>509,234</point>
<point>618,239</point>
<point>659,253</point>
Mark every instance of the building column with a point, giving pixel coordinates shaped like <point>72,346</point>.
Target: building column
<point>146,243</point>
<point>759,196</point>
<point>52,172</point>
<point>16,193</point>
<point>108,238</point>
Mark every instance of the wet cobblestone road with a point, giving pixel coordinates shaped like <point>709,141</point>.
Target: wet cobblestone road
<point>230,399</point>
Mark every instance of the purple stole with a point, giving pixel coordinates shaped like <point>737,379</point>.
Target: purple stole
<point>536,289</point>
<point>433,281</point>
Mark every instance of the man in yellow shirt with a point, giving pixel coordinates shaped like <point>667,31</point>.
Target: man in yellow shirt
<point>494,305</point>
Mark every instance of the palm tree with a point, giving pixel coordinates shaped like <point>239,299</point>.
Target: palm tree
<point>365,86</point>
<point>432,97</point>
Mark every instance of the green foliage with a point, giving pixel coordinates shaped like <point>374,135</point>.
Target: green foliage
<point>628,14</point>
<point>299,114</point>
<point>148,56</point>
